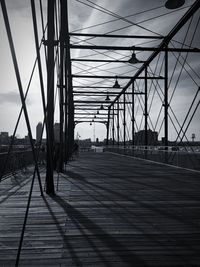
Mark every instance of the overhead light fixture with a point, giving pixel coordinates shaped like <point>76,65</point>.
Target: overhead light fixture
<point>173,4</point>
<point>116,84</point>
<point>133,59</point>
<point>101,107</point>
<point>107,97</point>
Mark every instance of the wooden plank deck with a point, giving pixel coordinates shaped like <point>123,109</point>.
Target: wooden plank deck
<point>110,210</point>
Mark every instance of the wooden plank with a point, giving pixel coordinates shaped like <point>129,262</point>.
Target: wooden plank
<point>109,211</point>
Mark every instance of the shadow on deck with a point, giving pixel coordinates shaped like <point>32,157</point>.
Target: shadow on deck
<point>109,210</point>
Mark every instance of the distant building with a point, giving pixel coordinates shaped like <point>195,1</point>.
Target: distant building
<point>4,138</point>
<point>38,132</point>
<point>4,134</point>
<point>151,136</point>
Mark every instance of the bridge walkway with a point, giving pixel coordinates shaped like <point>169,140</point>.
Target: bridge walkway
<point>109,210</point>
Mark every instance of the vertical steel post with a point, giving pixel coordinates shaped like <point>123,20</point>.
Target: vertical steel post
<point>71,123</point>
<point>61,81</point>
<point>113,128</point>
<point>145,112</point>
<point>124,119</point>
<point>118,122</point>
<point>50,98</point>
<point>19,82</point>
<point>107,127</point>
<point>166,105</point>
<point>133,116</point>
<point>66,109</point>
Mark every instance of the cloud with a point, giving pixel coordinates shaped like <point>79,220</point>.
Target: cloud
<point>81,16</point>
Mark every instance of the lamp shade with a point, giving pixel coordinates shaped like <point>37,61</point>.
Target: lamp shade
<point>101,107</point>
<point>133,59</point>
<point>173,4</point>
<point>116,84</point>
<point>107,97</point>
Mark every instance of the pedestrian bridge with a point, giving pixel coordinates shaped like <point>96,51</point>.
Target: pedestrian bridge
<point>109,210</point>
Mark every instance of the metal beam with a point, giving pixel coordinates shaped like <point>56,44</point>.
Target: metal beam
<point>91,94</point>
<point>91,114</point>
<point>95,87</point>
<point>165,41</point>
<point>86,117</point>
<point>101,77</point>
<point>114,77</point>
<point>91,104</point>
<point>166,106</point>
<point>61,82</point>
<point>24,108</point>
<point>95,109</point>
<point>50,96</point>
<point>107,127</point>
<point>117,122</point>
<point>97,101</point>
<point>117,36</point>
<point>105,93</point>
<point>105,122</point>
<point>90,118</point>
<point>124,120</point>
<point>136,48</point>
<point>113,126</point>
<point>146,111</point>
<point>133,115</point>
<point>69,91</point>
<point>101,60</point>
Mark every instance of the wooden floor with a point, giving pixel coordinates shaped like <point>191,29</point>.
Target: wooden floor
<point>109,210</point>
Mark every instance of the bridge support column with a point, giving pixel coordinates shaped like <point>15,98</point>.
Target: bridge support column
<point>113,128</point>
<point>50,98</point>
<point>124,119</point>
<point>166,106</point>
<point>70,98</point>
<point>133,116</point>
<point>107,127</point>
<point>63,14</point>
<point>145,113</point>
<point>118,122</point>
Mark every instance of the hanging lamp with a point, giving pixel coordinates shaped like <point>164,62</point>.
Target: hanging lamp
<point>116,84</point>
<point>173,4</point>
<point>107,97</point>
<point>101,107</point>
<point>133,59</point>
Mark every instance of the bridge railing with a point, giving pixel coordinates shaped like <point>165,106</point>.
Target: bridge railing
<point>17,160</point>
<point>181,156</point>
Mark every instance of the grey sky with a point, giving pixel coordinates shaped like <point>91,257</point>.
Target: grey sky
<point>82,16</point>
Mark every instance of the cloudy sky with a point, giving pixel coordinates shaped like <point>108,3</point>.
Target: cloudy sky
<point>102,17</point>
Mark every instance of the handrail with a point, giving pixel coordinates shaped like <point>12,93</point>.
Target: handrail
<point>18,160</point>
<point>181,156</point>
